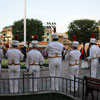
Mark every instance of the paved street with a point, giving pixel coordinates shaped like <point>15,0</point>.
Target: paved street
<point>65,71</point>
<point>45,83</point>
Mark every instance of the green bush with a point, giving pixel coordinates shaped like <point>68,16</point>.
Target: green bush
<point>4,63</point>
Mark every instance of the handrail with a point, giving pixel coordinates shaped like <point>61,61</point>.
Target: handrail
<point>44,85</point>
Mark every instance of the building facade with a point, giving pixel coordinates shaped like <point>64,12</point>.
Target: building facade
<point>6,35</point>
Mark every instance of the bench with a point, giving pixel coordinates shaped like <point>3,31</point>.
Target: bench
<point>91,84</point>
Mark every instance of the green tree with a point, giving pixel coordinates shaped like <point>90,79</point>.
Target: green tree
<point>82,29</point>
<point>33,27</point>
<point>99,23</point>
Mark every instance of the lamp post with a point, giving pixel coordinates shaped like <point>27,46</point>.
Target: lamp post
<point>25,23</point>
<point>51,25</point>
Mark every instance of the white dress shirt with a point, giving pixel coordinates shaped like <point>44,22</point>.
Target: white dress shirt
<point>14,55</point>
<point>94,52</point>
<point>73,56</point>
<point>53,48</point>
<point>34,56</point>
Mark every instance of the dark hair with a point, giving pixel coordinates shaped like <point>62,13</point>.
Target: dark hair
<point>92,43</point>
<point>14,46</point>
<point>55,39</point>
<point>74,47</point>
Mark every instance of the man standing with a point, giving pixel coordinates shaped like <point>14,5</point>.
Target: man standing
<point>73,58</point>
<point>54,50</point>
<point>1,57</point>
<point>94,55</point>
<point>33,61</point>
<point>14,56</point>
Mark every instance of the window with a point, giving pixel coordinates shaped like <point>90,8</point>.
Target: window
<point>47,39</point>
<point>47,33</point>
<point>4,34</point>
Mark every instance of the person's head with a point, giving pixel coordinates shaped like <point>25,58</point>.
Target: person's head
<point>75,43</point>
<point>92,39</point>
<point>55,37</point>
<point>15,43</point>
<point>35,42</point>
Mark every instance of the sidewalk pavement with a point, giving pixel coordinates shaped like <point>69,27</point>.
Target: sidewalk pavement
<point>45,71</point>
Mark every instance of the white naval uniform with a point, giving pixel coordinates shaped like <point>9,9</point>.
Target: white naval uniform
<point>94,55</point>
<point>14,56</point>
<point>33,61</point>
<point>73,58</point>
<point>1,57</point>
<point>54,50</point>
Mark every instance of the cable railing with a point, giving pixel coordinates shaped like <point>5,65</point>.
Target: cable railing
<point>30,84</point>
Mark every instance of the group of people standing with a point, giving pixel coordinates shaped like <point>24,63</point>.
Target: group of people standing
<point>54,50</point>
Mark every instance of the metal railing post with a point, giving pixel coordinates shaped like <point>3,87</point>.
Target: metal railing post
<point>23,83</point>
<point>74,84</point>
<point>83,90</point>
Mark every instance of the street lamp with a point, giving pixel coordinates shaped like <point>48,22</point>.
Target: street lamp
<point>25,23</point>
<point>51,25</point>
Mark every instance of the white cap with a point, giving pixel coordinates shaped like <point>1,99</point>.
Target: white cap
<point>55,36</point>
<point>15,42</point>
<point>34,43</point>
<point>75,44</point>
<point>92,40</point>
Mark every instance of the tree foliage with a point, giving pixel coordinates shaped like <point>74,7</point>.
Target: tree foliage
<point>83,29</point>
<point>33,27</point>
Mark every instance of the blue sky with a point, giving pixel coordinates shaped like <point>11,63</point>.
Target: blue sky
<point>60,11</point>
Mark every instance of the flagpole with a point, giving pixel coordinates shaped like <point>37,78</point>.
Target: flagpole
<point>25,23</point>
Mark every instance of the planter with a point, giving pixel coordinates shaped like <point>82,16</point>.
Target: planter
<point>4,64</point>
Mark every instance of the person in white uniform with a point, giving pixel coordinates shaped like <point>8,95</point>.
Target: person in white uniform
<point>1,57</point>
<point>14,55</point>
<point>73,57</point>
<point>33,61</point>
<point>54,50</point>
<point>94,55</point>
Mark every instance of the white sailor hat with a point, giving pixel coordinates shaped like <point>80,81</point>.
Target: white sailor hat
<point>92,39</point>
<point>35,42</point>
<point>75,43</point>
<point>15,42</point>
<point>54,36</point>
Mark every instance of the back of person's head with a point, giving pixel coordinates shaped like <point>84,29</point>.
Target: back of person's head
<point>15,42</point>
<point>55,37</point>
<point>35,42</point>
<point>92,39</point>
<point>75,43</point>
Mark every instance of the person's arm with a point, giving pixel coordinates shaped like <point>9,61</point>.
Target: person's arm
<point>6,55</point>
<point>47,49</point>
<point>67,56</point>
<point>41,59</point>
<point>27,62</point>
<point>2,55</point>
<point>21,55</point>
<point>90,54</point>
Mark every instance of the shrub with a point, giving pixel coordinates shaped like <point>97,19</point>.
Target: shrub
<point>4,64</point>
